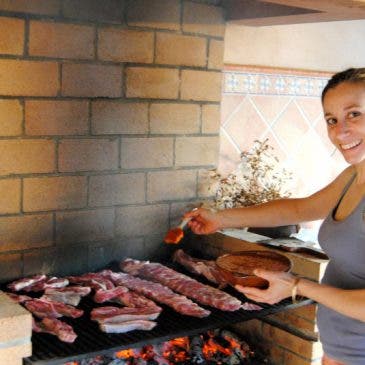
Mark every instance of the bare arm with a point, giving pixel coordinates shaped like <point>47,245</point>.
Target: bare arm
<point>274,213</point>
<point>347,302</point>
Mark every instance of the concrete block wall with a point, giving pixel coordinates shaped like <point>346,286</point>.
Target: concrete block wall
<point>109,112</point>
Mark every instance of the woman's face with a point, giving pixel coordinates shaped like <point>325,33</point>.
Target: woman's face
<point>344,112</point>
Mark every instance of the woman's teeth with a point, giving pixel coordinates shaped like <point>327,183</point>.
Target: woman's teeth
<point>350,145</point>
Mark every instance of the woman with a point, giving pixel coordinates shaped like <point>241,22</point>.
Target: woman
<point>341,294</point>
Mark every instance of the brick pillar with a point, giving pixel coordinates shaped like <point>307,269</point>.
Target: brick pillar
<point>15,332</point>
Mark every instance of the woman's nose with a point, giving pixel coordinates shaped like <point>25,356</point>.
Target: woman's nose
<point>342,129</point>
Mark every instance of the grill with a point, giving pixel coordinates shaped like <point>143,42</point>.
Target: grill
<point>47,349</point>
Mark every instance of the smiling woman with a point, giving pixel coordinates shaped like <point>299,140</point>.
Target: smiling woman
<point>341,294</point>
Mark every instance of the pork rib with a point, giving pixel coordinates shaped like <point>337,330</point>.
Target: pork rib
<point>128,326</point>
<point>55,327</point>
<point>111,314</point>
<point>68,295</point>
<point>161,294</point>
<point>182,284</point>
<point>18,298</point>
<point>44,308</point>
<point>22,283</point>
<point>206,268</point>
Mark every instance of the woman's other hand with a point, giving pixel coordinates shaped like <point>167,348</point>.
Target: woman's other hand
<point>280,287</point>
<point>203,221</point>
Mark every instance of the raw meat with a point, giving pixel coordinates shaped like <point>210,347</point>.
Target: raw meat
<point>128,326</point>
<point>182,284</point>
<point>102,296</point>
<point>44,308</point>
<point>47,283</point>
<point>22,283</point>
<point>19,298</point>
<point>161,294</point>
<point>134,300</point>
<point>56,327</point>
<point>116,315</point>
<point>207,268</point>
<point>68,295</point>
<point>93,280</point>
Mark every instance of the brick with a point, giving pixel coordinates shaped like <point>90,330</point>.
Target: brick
<point>216,52</point>
<point>102,254</point>
<point>159,14</point>
<point>56,117</point>
<point>211,118</point>
<point>203,19</point>
<point>91,80</point>
<point>142,220</point>
<point>204,190</point>
<point>51,193</point>
<point>178,209</point>
<point>313,269</point>
<point>173,118</point>
<point>124,45</point>
<point>201,85</point>
<point>28,78</point>
<point>307,312</point>
<point>304,325</point>
<point>11,117</point>
<point>61,40</point>
<point>293,359</point>
<point>307,349</point>
<point>60,260</point>
<point>84,226</point>
<point>196,151</point>
<point>10,266</point>
<point>12,36</point>
<point>14,354</point>
<point>156,83</point>
<point>109,11</point>
<point>117,189</point>
<point>26,156</point>
<point>9,196</point>
<point>171,185</point>
<point>15,322</point>
<point>88,155</point>
<point>137,153</point>
<point>176,49</point>
<point>25,232</point>
<point>109,117</point>
<point>44,7</point>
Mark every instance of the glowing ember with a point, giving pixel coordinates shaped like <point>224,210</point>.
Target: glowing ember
<point>218,347</point>
<point>125,354</point>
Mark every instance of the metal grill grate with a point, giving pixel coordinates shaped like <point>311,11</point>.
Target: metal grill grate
<point>47,349</point>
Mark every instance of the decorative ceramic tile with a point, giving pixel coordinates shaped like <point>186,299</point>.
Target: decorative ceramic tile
<point>272,84</point>
<point>285,107</point>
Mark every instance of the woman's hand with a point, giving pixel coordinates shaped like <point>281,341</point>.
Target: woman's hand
<point>280,287</point>
<point>203,221</point>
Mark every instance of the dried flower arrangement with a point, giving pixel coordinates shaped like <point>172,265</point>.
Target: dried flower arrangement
<point>258,178</point>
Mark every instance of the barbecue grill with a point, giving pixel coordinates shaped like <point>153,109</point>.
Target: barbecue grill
<point>47,349</point>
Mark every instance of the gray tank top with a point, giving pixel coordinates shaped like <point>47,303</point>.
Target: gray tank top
<point>342,337</point>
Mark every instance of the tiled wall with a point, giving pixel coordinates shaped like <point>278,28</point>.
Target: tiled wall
<point>283,106</point>
<point>108,112</point>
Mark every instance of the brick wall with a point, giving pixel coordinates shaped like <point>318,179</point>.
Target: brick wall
<point>109,111</point>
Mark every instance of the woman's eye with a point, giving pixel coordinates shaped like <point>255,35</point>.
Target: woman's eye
<point>331,121</point>
<point>353,114</point>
